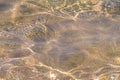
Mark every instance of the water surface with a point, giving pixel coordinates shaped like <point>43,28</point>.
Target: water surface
<point>59,40</point>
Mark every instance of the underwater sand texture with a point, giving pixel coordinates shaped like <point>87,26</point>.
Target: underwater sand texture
<point>59,39</point>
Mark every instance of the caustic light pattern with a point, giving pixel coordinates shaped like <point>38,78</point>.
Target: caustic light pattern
<point>59,39</point>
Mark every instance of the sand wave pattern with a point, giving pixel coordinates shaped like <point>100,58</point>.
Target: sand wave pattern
<point>59,40</point>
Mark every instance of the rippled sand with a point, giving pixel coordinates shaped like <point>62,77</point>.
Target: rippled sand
<point>46,40</point>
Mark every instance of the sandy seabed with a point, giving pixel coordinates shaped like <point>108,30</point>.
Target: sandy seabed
<point>59,40</point>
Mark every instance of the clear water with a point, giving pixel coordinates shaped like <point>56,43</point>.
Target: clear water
<point>59,40</point>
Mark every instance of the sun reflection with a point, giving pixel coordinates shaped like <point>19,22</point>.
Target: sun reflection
<point>97,79</point>
<point>112,77</point>
<point>52,76</point>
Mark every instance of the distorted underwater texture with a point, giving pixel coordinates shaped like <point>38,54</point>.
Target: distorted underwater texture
<point>59,39</point>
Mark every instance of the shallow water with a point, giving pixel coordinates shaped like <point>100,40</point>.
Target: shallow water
<point>42,40</point>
